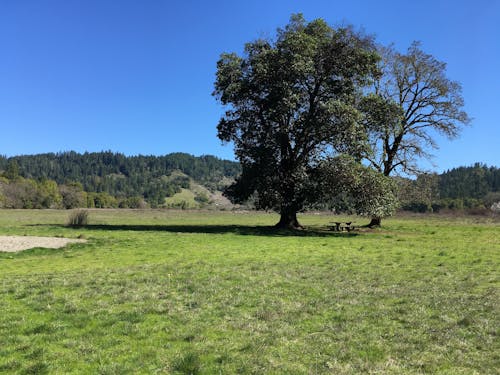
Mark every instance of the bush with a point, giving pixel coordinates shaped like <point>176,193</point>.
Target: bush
<point>73,195</point>
<point>437,206</point>
<point>490,199</point>
<point>133,202</point>
<point>202,198</point>
<point>473,203</point>
<point>101,200</point>
<point>478,211</point>
<point>420,207</point>
<point>78,218</point>
<point>453,204</point>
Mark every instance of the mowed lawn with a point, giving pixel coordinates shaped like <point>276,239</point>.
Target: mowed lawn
<point>224,293</point>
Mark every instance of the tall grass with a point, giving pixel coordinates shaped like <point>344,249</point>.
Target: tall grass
<point>78,218</point>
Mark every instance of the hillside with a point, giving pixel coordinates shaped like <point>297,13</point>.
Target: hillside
<point>113,178</point>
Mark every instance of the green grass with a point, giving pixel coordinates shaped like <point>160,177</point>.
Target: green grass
<point>184,197</point>
<point>205,292</point>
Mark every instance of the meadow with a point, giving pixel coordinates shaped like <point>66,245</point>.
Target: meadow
<point>200,292</point>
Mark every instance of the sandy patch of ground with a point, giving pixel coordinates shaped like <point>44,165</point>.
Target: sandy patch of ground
<point>19,243</point>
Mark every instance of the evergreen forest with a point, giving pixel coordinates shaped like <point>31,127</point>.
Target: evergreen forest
<point>106,179</point>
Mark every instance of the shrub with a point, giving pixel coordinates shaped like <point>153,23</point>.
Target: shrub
<point>479,211</point>
<point>202,198</point>
<point>78,218</point>
<point>73,195</point>
<point>453,204</point>
<point>420,207</point>
<point>133,202</point>
<point>437,206</point>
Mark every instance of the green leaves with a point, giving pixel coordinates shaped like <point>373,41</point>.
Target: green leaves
<point>289,102</point>
<point>380,114</point>
<point>371,193</point>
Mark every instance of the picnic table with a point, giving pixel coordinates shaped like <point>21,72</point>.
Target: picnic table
<point>342,225</point>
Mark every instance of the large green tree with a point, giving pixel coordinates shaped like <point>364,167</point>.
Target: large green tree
<point>292,102</point>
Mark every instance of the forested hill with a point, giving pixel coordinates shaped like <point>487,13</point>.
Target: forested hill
<point>469,182</point>
<point>73,166</point>
<point>476,186</point>
<point>151,177</point>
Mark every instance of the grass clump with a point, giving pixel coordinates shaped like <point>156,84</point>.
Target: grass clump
<point>187,363</point>
<point>78,218</point>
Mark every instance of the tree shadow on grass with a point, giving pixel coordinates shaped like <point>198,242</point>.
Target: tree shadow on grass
<point>244,230</point>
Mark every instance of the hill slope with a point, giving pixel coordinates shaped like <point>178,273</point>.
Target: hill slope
<point>150,177</point>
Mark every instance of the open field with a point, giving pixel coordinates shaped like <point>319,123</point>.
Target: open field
<point>219,292</point>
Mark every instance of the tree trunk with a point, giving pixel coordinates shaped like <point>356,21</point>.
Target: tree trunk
<point>288,219</point>
<point>375,222</point>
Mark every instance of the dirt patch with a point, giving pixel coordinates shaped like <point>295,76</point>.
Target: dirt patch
<point>20,243</point>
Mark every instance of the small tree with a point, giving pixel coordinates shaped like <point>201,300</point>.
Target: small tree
<point>292,102</point>
<point>73,195</point>
<point>4,182</point>
<point>419,195</point>
<point>21,193</point>
<point>49,194</point>
<point>370,192</point>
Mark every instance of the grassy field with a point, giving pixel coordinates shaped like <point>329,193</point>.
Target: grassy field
<point>221,292</point>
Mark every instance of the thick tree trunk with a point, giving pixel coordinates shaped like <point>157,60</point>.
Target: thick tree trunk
<point>288,219</point>
<point>375,222</point>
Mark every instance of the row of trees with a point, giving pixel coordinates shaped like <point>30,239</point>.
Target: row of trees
<point>424,194</point>
<point>29,193</point>
<point>460,188</point>
<point>306,109</point>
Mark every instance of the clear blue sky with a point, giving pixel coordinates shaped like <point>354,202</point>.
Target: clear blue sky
<point>136,76</point>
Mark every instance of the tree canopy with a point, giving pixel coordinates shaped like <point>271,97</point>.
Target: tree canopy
<point>292,102</point>
<point>412,100</point>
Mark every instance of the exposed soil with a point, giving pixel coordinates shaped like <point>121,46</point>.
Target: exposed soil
<point>20,243</point>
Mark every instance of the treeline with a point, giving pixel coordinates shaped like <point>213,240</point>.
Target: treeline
<point>473,187</point>
<point>105,179</point>
<point>22,192</point>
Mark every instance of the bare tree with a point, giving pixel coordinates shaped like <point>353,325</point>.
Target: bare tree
<point>413,101</point>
